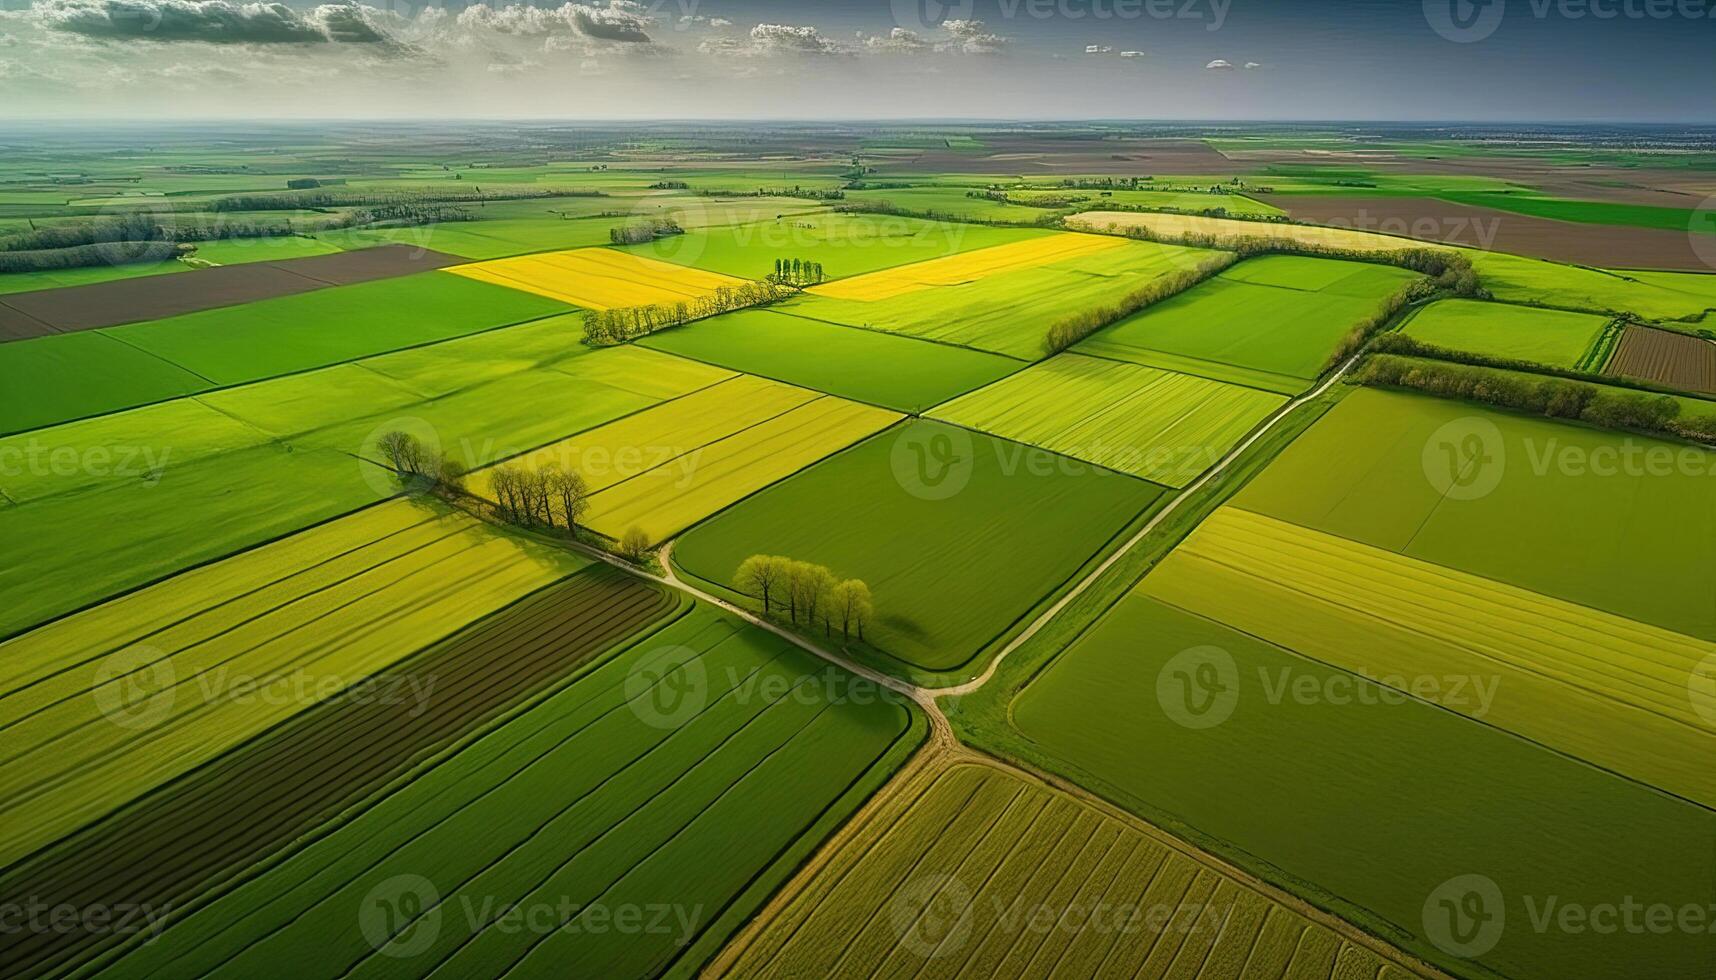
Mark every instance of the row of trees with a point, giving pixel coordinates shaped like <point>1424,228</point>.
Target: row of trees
<point>616,326</point>
<point>85,256</point>
<point>809,594</point>
<point>336,197</point>
<point>797,272</point>
<point>1074,327</point>
<point>1554,397</point>
<point>648,230</point>
<point>419,468</point>
<point>549,496</point>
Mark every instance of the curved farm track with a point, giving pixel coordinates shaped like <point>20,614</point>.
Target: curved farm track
<point>167,849</point>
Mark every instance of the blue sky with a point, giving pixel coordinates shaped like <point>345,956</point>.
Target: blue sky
<point>1500,60</point>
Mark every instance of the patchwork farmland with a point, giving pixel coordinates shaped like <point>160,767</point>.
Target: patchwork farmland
<point>829,550</point>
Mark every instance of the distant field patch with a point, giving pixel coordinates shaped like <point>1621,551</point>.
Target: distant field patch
<point>967,267</point>
<point>1599,687</point>
<point>311,613</point>
<point>1673,359</point>
<point>937,873</point>
<point>616,792</point>
<point>1524,333</point>
<point>1171,226</point>
<point>933,518</point>
<point>1005,312</point>
<point>846,244</point>
<point>597,278</point>
<point>1558,519</point>
<point>1271,322</point>
<point>1162,426</point>
<point>891,370</point>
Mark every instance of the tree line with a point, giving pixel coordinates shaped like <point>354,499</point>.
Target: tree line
<point>798,272</point>
<point>84,256</point>
<point>604,328</point>
<point>639,232</point>
<point>324,197</point>
<point>1074,327</point>
<point>1552,397</point>
<point>547,496</point>
<point>807,593</point>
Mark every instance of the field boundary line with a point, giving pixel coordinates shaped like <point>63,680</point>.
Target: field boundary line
<point>1138,537</point>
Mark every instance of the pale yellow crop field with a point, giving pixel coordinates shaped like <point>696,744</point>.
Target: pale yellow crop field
<point>966,267</point>
<point>598,278</point>
<point>155,683</point>
<point>618,451</point>
<point>1610,690</point>
<point>668,498</point>
<point>1169,227</point>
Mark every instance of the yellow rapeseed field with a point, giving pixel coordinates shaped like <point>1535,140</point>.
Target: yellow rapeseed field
<point>618,451</point>
<point>598,278</point>
<point>966,266</point>
<point>1601,687</point>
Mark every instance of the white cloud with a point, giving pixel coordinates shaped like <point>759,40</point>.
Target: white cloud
<point>972,37</point>
<point>1250,65</point>
<point>1220,65</point>
<point>211,21</point>
<point>1098,49</point>
<point>1132,54</point>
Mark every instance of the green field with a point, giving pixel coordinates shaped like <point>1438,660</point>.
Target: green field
<point>312,613</point>
<point>1381,793</point>
<point>278,336</point>
<point>178,486</point>
<point>897,372</point>
<point>1568,515</point>
<point>1652,295</point>
<point>935,520</point>
<point>23,282</point>
<point>70,376</point>
<point>1010,312</point>
<point>1585,212</point>
<point>1163,200</point>
<point>1518,333</point>
<point>948,202</point>
<point>1272,322</point>
<point>687,775</point>
<point>845,244</point>
<point>1164,427</point>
